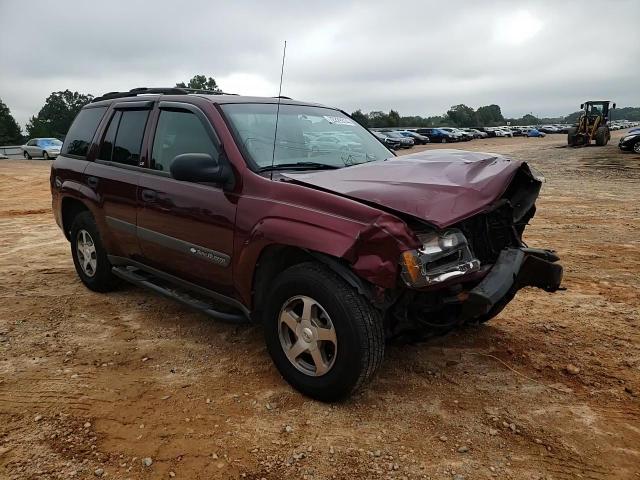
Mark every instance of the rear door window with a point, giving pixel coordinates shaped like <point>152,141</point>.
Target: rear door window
<point>106,148</point>
<point>128,137</point>
<point>81,132</point>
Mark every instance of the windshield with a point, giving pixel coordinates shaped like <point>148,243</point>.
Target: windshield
<point>305,134</point>
<point>50,141</point>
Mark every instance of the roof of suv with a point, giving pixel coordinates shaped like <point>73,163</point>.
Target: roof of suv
<point>179,93</point>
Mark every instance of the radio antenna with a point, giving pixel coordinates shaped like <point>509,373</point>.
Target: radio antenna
<point>275,134</point>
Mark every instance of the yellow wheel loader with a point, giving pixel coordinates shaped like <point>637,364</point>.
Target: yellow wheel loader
<point>592,125</point>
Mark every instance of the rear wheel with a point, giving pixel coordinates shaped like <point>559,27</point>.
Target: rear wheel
<point>325,339</point>
<point>571,136</point>
<point>89,255</point>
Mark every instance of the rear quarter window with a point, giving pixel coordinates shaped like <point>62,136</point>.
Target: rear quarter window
<point>81,132</point>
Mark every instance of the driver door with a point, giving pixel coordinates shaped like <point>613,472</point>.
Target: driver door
<point>184,228</point>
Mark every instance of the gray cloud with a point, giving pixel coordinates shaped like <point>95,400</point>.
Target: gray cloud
<point>419,57</point>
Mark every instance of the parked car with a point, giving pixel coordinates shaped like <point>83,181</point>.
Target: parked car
<point>630,142</point>
<point>405,142</point>
<point>496,132</point>
<point>437,135</point>
<point>634,130</point>
<point>549,129</point>
<point>476,133</point>
<point>196,197</point>
<point>46,148</point>
<point>390,142</point>
<point>461,135</point>
<point>533,132</point>
<point>417,138</point>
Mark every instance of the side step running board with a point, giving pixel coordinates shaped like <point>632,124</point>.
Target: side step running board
<point>144,279</point>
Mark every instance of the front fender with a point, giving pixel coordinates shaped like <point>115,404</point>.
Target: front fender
<point>371,249</point>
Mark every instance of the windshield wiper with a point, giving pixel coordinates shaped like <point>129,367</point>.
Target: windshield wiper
<point>298,166</point>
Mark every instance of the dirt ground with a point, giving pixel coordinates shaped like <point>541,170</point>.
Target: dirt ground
<point>94,384</point>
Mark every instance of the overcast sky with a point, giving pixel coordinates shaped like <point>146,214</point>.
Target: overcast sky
<point>419,57</point>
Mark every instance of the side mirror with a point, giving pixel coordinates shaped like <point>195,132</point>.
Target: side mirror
<point>199,167</point>
<point>614,105</point>
<point>582,106</point>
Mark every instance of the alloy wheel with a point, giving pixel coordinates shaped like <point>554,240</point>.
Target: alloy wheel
<point>307,336</point>
<point>86,253</point>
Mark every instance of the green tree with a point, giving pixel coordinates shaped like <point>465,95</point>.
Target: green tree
<point>200,82</point>
<point>462,116</point>
<point>490,115</point>
<point>55,117</point>
<point>378,119</point>
<point>361,118</point>
<point>10,133</point>
<point>393,119</point>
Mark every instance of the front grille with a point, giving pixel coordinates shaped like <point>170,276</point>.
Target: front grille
<point>489,233</point>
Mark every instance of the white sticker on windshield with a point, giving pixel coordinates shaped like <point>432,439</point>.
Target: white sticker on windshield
<point>338,120</point>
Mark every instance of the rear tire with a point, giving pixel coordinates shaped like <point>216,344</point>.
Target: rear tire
<point>45,155</point>
<point>89,255</point>
<point>342,366</point>
<point>571,136</point>
<point>636,147</point>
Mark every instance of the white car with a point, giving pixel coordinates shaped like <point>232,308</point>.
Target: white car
<point>46,148</point>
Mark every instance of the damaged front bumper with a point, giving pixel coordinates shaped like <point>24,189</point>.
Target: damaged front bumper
<point>514,269</point>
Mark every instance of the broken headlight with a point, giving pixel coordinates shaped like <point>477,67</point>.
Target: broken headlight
<point>443,255</point>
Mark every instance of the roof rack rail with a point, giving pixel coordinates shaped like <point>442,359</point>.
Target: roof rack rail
<point>162,91</point>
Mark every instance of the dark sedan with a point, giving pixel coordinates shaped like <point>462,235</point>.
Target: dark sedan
<point>630,143</point>
<point>392,143</point>
<point>417,138</point>
<point>436,135</point>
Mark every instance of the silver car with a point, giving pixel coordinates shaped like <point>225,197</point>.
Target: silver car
<point>46,148</point>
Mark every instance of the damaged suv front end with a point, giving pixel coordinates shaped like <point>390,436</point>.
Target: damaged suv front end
<point>471,270</point>
<point>468,211</point>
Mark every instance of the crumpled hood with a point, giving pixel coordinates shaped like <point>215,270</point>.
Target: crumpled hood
<point>439,186</point>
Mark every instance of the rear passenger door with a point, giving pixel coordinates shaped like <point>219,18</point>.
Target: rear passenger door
<point>114,175</point>
<point>185,229</point>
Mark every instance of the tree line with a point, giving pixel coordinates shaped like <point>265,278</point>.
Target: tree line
<point>464,116</point>
<point>60,108</point>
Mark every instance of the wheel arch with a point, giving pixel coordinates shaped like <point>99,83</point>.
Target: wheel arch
<point>276,258</point>
<point>70,208</point>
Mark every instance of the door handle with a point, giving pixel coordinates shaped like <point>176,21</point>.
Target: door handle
<point>92,182</point>
<point>149,195</point>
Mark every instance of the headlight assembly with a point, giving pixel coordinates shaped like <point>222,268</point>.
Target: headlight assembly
<point>443,255</point>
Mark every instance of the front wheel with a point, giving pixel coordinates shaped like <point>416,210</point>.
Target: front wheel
<point>27,156</point>
<point>325,339</point>
<point>636,147</point>
<point>45,155</point>
<point>601,136</point>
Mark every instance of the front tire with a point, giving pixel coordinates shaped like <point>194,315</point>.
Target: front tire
<point>601,136</point>
<point>46,156</point>
<point>90,256</point>
<point>636,147</point>
<point>27,156</point>
<point>325,339</point>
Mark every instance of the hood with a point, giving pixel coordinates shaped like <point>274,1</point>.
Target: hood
<point>439,186</point>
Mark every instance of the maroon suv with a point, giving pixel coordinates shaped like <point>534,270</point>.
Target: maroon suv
<point>292,215</point>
